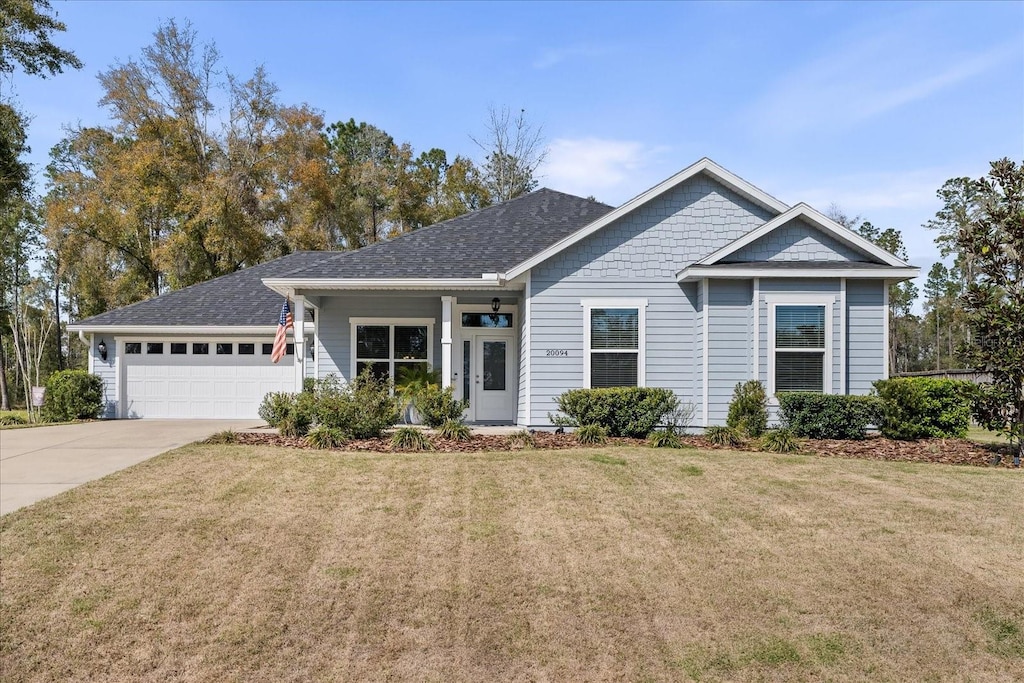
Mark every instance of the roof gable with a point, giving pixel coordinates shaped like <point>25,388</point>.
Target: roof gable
<point>798,240</point>
<point>705,165</point>
<point>872,252</point>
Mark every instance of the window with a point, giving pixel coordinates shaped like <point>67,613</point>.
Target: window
<point>132,348</point>
<point>200,349</point>
<point>178,348</point>
<point>391,349</point>
<point>154,347</point>
<point>268,349</point>
<point>289,349</point>
<point>225,348</point>
<point>491,320</point>
<point>800,338</point>
<point>246,349</point>
<point>614,343</point>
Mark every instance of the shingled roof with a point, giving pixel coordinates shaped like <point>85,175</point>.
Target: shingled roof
<point>486,241</point>
<point>490,240</point>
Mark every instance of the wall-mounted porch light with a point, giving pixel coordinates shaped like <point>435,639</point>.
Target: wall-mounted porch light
<point>102,348</point>
<point>495,304</point>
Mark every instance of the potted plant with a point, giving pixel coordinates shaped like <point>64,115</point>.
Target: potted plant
<point>412,381</point>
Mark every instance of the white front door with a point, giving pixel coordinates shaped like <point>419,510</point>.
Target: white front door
<point>492,383</point>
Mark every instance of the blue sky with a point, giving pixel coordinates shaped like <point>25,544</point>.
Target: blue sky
<point>868,105</point>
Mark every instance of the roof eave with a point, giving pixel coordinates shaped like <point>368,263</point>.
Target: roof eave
<point>130,328</point>
<point>290,285</point>
<point>732,271</point>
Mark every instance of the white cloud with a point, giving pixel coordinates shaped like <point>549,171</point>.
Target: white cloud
<point>865,80</point>
<point>614,169</point>
<point>554,56</point>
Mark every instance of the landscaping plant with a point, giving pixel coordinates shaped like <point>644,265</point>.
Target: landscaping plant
<point>591,435</point>
<point>722,436</point>
<point>437,406</point>
<point>72,395</point>
<point>828,416</point>
<point>664,438</point>
<point>454,430</point>
<point>748,410</point>
<point>623,411</point>
<point>925,407</point>
<point>326,437</point>
<point>521,439</point>
<point>410,439</point>
<point>362,408</point>
<point>780,441</point>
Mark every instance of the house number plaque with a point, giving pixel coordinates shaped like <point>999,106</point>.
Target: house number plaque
<point>558,352</point>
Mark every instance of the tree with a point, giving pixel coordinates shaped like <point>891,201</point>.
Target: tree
<point>513,151</point>
<point>25,39</point>
<point>992,241</point>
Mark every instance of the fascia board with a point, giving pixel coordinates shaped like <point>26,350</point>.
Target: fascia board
<point>182,329</point>
<point>820,221</point>
<point>287,286</point>
<point>696,272</point>
<point>705,165</point>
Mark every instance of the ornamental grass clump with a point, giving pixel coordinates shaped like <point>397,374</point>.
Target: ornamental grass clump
<point>410,439</point>
<point>722,436</point>
<point>324,437</point>
<point>454,430</point>
<point>591,435</point>
<point>520,439</point>
<point>780,441</point>
<point>664,439</point>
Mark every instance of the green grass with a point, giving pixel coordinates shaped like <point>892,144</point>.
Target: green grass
<point>982,435</point>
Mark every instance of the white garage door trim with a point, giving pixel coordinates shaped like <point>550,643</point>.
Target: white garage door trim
<point>195,385</point>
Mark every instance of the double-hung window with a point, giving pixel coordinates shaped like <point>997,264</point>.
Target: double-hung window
<point>614,342</point>
<point>801,347</point>
<point>391,348</point>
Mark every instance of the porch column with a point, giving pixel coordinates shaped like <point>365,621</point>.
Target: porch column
<point>446,341</point>
<point>298,333</point>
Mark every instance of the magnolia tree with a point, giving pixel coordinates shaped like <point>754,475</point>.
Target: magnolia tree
<point>993,242</point>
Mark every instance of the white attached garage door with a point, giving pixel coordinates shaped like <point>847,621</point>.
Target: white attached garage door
<point>201,378</point>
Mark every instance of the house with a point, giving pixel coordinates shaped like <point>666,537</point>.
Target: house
<point>698,283</point>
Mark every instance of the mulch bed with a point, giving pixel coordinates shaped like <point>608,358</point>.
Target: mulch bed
<point>942,451</point>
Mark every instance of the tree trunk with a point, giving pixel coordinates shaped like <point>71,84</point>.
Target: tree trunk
<point>5,397</point>
<point>56,313</point>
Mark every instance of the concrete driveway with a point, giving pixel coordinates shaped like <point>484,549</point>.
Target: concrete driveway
<point>40,462</point>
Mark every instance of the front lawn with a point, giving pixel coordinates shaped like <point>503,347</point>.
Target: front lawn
<point>246,563</point>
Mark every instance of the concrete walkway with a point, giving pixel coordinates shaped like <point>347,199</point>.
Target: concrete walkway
<point>39,462</point>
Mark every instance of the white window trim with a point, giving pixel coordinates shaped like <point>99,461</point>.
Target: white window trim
<point>641,361</point>
<point>797,299</point>
<point>391,323</point>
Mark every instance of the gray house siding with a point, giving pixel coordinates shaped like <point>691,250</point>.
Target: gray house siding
<point>865,303</point>
<point>107,371</point>
<point>730,342</point>
<point>796,241</point>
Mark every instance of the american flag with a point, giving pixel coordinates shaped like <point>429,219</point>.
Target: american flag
<point>284,323</point>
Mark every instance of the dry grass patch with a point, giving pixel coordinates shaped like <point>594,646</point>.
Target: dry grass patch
<point>237,563</point>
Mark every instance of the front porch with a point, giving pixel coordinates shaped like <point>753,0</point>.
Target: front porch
<point>470,339</point>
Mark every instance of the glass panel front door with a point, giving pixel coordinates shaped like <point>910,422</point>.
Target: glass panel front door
<point>493,397</point>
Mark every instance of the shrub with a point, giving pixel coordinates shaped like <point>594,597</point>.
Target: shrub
<point>454,430</point>
<point>925,407</point>
<point>828,416</point>
<point>748,410</point>
<point>520,439</point>
<point>410,439</point>
<point>623,411</point>
<point>591,435</point>
<point>72,395</point>
<point>363,408</point>
<point>722,436</point>
<point>276,406</point>
<point>666,438</point>
<point>780,441</point>
<point>436,406</point>
<point>326,437</point>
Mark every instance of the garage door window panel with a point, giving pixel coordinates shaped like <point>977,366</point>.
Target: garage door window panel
<point>200,349</point>
<point>178,349</point>
<point>224,349</point>
<point>132,348</point>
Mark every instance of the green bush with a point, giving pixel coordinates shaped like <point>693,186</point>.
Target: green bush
<point>410,439</point>
<point>623,411</point>
<point>723,436</point>
<point>72,395</point>
<point>363,408</point>
<point>276,406</point>
<point>780,441</point>
<point>748,410</point>
<point>591,435</point>
<point>454,430</point>
<point>436,405</point>
<point>326,437</point>
<point>925,407</point>
<point>291,414</point>
<point>665,438</point>
<point>828,416</point>
<point>11,419</point>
